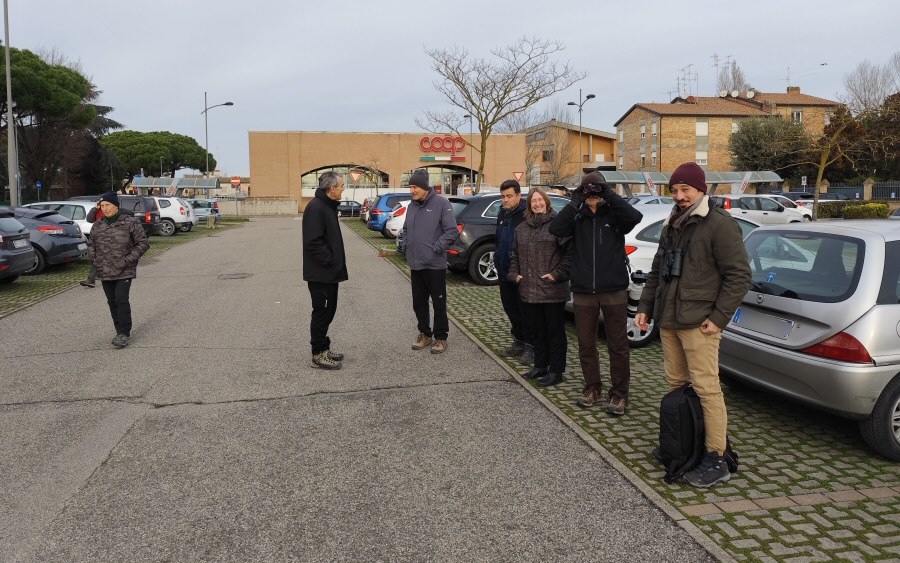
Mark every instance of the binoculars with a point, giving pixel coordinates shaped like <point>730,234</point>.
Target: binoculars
<point>672,260</point>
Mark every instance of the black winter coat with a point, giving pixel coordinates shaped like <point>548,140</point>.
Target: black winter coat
<point>323,245</point>
<point>599,262</point>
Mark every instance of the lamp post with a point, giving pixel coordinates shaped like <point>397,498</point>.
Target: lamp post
<point>12,148</point>
<point>205,113</point>
<point>160,166</point>
<point>471,172</point>
<point>580,105</point>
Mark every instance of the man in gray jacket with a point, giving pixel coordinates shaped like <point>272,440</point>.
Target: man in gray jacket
<point>429,229</point>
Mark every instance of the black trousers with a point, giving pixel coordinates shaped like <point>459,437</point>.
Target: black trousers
<point>324,306</point>
<point>516,312</point>
<point>549,323</point>
<point>430,284</point>
<point>117,293</point>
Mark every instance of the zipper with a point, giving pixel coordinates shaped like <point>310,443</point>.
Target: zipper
<point>594,251</point>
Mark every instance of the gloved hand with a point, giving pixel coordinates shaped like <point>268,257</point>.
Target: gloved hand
<point>607,192</point>
<point>578,197</point>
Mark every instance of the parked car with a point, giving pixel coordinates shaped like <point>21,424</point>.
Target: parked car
<point>191,215</point>
<point>173,212</point>
<point>476,220</point>
<point>381,208</point>
<point>650,200</point>
<point>144,209</point>
<point>790,204</point>
<point>74,210</point>
<point>16,252</point>
<point>397,218</point>
<point>820,322</point>
<point>641,245</point>
<point>365,213</point>
<point>895,214</point>
<point>349,209</point>
<point>763,210</point>
<point>56,239</point>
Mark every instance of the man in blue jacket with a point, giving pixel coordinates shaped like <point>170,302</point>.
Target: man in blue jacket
<point>511,216</point>
<point>598,220</point>
<point>429,230</point>
<point>324,266</point>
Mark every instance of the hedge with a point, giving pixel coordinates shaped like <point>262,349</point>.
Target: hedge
<point>866,211</point>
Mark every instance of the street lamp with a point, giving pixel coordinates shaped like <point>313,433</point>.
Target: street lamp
<point>160,167</point>
<point>580,105</point>
<point>12,148</point>
<point>471,172</point>
<point>205,112</point>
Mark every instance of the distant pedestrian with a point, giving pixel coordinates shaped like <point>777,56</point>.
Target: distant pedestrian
<point>116,244</point>
<point>324,266</point>
<point>598,219</point>
<point>540,266</point>
<point>699,277</point>
<point>429,229</point>
<point>511,215</point>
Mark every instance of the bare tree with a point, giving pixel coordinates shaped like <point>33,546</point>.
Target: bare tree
<point>518,77</point>
<point>869,84</point>
<point>731,77</point>
<point>547,149</point>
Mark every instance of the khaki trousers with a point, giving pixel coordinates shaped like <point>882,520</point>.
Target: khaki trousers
<point>691,356</point>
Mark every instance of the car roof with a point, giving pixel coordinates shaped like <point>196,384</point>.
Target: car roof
<point>887,228</point>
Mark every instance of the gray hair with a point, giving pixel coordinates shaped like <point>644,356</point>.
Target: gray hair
<point>330,180</point>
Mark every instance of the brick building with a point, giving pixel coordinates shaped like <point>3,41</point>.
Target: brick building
<point>660,137</point>
<point>552,151</point>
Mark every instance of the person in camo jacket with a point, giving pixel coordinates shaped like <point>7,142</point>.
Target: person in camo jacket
<point>116,244</point>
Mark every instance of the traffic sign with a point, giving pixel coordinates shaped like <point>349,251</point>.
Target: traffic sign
<point>518,175</point>
<point>39,185</point>
<point>235,180</point>
<point>356,176</point>
<point>802,180</point>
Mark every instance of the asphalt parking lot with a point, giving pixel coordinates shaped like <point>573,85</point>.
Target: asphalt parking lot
<point>808,488</point>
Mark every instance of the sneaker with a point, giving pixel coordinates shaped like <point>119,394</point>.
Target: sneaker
<point>88,283</point>
<point>439,347</point>
<point>324,361</point>
<point>535,372</point>
<point>550,379</point>
<point>515,349</point>
<point>422,341</point>
<point>713,469</point>
<point>121,340</point>
<point>591,397</point>
<point>527,356</point>
<point>336,356</point>
<point>616,406</point>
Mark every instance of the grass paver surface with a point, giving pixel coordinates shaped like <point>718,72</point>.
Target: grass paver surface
<point>798,466</point>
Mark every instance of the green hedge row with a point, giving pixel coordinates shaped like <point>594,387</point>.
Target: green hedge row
<point>852,209</point>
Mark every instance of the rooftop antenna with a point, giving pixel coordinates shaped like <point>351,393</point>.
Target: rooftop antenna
<point>788,79</point>
<point>715,59</point>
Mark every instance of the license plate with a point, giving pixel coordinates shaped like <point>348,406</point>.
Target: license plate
<point>20,243</point>
<point>766,324</point>
<point>82,246</point>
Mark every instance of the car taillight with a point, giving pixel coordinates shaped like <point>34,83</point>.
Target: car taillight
<point>842,347</point>
<point>376,212</point>
<point>629,249</point>
<point>400,212</point>
<point>726,203</point>
<point>459,228</point>
<point>51,229</point>
<point>182,211</point>
<point>149,218</point>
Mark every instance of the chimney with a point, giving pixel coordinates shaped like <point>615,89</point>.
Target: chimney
<point>793,90</point>
<point>691,100</point>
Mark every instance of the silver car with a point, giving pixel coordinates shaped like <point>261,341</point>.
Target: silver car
<point>821,322</point>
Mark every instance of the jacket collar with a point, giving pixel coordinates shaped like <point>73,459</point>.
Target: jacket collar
<point>517,210</point>
<point>320,193</point>
<point>702,210</point>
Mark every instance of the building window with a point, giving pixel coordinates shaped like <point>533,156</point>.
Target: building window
<point>643,131</point>
<point>653,130</point>
<point>827,118</point>
<point>735,126</point>
<point>621,135</point>
<point>703,128</point>
<point>621,162</point>
<point>797,116</point>
<point>540,136</point>
<point>547,156</point>
<point>643,160</point>
<point>653,158</point>
<point>702,158</point>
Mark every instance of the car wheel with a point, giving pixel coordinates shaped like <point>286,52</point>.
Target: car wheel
<point>186,228</point>
<point>39,263</point>
<point>881,431</point>
<point>9,279</point>
<point>386,233</point>
<point>167,229</point>
<point>481,265</point>
<point>807,217</point>
<point>638,338</point>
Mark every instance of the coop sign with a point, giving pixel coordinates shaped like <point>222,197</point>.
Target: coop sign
<point>442,144</point>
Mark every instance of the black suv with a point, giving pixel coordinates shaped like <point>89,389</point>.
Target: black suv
<point>16,252</point>
<point>476,219</point>
<point>144,208</point>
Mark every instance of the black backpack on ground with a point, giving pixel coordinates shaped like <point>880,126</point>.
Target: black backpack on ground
<point>682,434</point>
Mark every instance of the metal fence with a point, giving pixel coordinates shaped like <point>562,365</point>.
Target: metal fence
<point>852,192</point>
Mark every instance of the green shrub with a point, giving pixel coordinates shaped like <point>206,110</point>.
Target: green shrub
<point>866,211</point>
<point>830,209</point>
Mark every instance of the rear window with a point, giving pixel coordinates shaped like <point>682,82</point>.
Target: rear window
<point>395,199</point>
<point>890,283</point>
<point>807,266</point>
<point>10,225</point>
<point>458,205</point>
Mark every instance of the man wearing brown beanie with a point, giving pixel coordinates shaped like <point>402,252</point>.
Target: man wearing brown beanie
<point>700,275</point>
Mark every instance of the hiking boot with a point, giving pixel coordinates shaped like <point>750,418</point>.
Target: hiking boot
<point>324,361</point>
<point>550,379</point>
<point>527,356</point>
<point>336,356</point>
<point>439,347</point>
<point>713,469</point>
<point>616,406</point>
<point>121,340</point>
<point>590,397</point>
<point>535,372</point>
<point>515,349</point>
<point>422,341</point>
<point>88,283</point>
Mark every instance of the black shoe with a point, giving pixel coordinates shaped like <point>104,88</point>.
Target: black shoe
<point>713,469</point>
<point>535,372</point>
<point>527,356</point>
<point>550,379</point>
<point>657,455</point>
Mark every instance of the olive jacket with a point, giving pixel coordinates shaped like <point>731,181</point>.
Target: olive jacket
<point>715,272</point>
<point>116,247</point>
<point>537,252</point>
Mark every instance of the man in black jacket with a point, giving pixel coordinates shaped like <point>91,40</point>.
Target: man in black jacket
<point>511,216</point>
<point>324,266</point>
<point>598,220</point>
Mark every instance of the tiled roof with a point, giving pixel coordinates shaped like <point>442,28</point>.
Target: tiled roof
<point>794,99</point>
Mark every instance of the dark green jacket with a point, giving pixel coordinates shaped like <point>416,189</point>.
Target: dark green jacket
<point>116,247</point>
<point>715,272</point>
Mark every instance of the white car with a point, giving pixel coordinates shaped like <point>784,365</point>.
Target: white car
<point>790,204</point>
<point>763,210</point>
<point>650,200</point>
<point>75,210</point>
<point>397,218</point>
<point>174,214</point>
<point>192,215</point>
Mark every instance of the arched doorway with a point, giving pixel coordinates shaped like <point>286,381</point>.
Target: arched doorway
<point>360,182</point>
<point>447,179</point>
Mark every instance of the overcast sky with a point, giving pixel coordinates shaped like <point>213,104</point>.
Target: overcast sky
<point>340,65</point>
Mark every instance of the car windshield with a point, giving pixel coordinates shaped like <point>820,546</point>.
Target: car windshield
<point>807,266</point>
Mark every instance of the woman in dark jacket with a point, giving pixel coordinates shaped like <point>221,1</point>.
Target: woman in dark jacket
<point>540,265</point>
